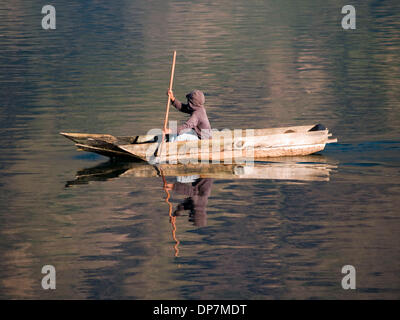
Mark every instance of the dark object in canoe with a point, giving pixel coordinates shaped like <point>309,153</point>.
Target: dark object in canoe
<point>106,144</point>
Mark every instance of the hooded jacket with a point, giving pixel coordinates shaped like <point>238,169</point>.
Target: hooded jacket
<point>198,120</point>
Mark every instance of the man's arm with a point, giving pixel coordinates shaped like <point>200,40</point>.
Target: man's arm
<point>182,107</point>
<point>177,104</point>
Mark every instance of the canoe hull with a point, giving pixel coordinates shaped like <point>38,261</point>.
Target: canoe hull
<point>238,156</point>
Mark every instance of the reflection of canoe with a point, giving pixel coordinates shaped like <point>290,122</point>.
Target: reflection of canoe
<point>306,168</point>
<point>225,145</point>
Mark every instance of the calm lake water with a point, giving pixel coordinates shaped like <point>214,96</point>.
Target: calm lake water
<point>106,226</point>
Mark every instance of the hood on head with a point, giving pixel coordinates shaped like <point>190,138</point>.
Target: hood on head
<point>196,99</point>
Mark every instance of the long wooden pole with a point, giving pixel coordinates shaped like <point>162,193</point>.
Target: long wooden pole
<point>171,81</point>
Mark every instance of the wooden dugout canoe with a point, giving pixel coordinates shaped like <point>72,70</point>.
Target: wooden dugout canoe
<point>224,146</point>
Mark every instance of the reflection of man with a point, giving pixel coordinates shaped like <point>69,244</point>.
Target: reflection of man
<point>198,193</point>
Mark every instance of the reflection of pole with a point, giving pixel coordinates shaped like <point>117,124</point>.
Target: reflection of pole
<point>172,219</point>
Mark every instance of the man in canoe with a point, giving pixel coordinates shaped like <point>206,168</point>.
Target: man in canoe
<point>197,126</point>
